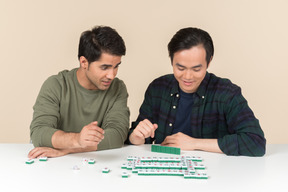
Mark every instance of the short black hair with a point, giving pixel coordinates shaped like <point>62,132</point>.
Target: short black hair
<point>101,39</point>
<point>189,37</point>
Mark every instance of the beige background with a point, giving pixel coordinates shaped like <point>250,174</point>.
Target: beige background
<point>40,38</point>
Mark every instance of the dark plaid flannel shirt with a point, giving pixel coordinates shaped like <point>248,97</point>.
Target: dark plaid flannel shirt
<point>219,111</point>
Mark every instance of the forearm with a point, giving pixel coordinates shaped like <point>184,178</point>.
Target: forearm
<point>63,140</point>
<point>246,144</point>
<point>80,150</point>
<point>210,145</point>
<point>113,138</point>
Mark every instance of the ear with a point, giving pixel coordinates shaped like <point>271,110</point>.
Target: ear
<point>83,62</point>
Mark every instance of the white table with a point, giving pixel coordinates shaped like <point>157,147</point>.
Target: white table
<point>226,173</point>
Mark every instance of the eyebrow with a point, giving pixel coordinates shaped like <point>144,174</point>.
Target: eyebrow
<point>196,66</point>
<point>109,65</point>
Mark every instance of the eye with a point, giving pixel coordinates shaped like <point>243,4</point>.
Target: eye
<point>180,68</point>
<point>197,69</point>
<point>104,67</point>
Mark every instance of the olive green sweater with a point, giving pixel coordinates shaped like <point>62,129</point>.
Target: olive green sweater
<point>63,104</point>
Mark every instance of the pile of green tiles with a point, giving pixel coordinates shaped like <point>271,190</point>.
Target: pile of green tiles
<point>165,149</point>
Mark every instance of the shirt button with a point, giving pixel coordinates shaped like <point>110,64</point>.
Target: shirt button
<point>171,94</point>
<point>174,107</point>
<point>177,95</point>
<point>203,97</point>
<point>170,124</point>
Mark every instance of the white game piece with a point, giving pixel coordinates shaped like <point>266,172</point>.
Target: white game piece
<point>75,167</point>
<point>124,174</point>
<point>105,170</point>
<point>91,161</point>
<point>124,166</point>
<point>43,159</point>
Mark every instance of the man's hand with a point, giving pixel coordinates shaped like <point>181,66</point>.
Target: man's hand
<point>186,142</point>
<point>91,135</point>
<point>143,130</point>
<point>46,152</point>
<point>180,140</point>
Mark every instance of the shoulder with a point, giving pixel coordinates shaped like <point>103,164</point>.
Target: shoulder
<point>61,76</point>
<point>165,81</point>
<point>55,82</point>
<point>163,85</point>
<point>221,89</point>
<point>222,85</point>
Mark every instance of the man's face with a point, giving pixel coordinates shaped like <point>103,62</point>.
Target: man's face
<point>189,68</point>
<point>100,74</point>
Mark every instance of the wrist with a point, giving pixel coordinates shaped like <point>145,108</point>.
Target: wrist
<point>135,140</point>
<point>76,140</point>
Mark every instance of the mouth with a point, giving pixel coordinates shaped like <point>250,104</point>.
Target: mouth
<point>106,83</point>
<point>188,83</point>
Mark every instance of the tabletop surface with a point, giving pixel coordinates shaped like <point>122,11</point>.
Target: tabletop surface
<point>226,173</point>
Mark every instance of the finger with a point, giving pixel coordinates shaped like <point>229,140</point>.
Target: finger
<point>94,123</point>
<point>95,134</point>
<point>169,145</point>
<point>51,153</point>
<point>149,127</point>
<point>91,143</point>
<point>148,123</point>
<point>37,154</point>
<point>168,140</point>
<point>155,126</point>
<point>95,127</point>
<point>33,153</point>
<point>138,133</point>
<point>94,138</point>
<point>145,130</point>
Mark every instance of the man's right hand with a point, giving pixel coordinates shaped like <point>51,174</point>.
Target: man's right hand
<point>143,130</point>
<point>90,135</point>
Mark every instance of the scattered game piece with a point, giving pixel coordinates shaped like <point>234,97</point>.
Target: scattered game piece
<point>91,161</point>
<point>165,149</point>
<point>29,161</point>
<point>75,167</point>
<point>43,159</point>
<point>124,174</point>
<point>105,170</point>
<point>124,166</point>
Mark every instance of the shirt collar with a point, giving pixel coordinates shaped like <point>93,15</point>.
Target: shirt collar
<point>175,87</point>
<point>200,91</point>
<point>203,85</point>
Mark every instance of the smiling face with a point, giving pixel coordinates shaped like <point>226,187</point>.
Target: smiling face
<point>98,75</point>
<point>189,68</point>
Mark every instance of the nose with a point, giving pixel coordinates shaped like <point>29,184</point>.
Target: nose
<point>188,74</point>
<point>111,74</point>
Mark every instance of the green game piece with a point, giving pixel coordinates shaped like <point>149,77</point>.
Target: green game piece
<point>165,149</point>
<point>30,161</point>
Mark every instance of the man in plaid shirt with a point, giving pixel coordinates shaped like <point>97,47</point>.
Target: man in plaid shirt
<point>195,110</point>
